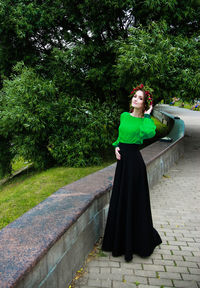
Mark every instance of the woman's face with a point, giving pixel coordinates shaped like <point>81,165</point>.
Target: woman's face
<point>138,100</point>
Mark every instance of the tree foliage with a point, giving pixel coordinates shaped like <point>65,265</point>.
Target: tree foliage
<point>165,62</point>
<point>86,55</point>
<point>49,127</point>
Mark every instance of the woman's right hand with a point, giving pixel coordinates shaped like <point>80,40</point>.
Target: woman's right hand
<point>117,154</point>
<point>149,110</point>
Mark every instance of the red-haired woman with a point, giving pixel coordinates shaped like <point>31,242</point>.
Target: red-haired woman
<point>129,228</point>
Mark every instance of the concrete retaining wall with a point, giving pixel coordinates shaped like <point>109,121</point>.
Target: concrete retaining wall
<point>48,244</point>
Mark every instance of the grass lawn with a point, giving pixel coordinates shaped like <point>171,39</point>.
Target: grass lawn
<point>161,128</point>
<point>25,191</point>
<point>187,105</point>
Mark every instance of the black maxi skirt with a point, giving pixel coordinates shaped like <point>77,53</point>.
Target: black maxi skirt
<point>129,228</point>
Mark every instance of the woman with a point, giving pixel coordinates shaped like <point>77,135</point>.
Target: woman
<point>129,229</point>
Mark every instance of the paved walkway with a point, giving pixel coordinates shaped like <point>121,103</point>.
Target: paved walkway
<point>175,204</point>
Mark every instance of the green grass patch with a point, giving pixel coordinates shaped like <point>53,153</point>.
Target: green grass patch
<point>184,104</point>
<point>161,128</point>
<point>161,131</point>
<point>18,163</point>
<point>188,105</point>
<point>23,192</point>
<point>101,254</point>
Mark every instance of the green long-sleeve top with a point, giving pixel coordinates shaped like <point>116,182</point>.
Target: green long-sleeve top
<point>134,129</point>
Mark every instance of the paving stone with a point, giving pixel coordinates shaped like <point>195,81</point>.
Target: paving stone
<point>170,247</point>
<point>154,256</point>
<point>185,284</point>
<point>194,271</point>
<point>105,276</point>
<point>159,282</point>
<point>190,277</point>
<point>153,267</point>
<point>96,263</point>
<point>145,273</point>
<point>140,260</point>
<point>93,269</point>
<point>122,271</point>
<point>182,243</point>
<point>172,257</point>
<point>106,283</point>
<point>168,238</point>
<point>94,282</point>
<point>164,262</point>
<point>114,264</point>
<point>192,259</point>
<point>105,270</point>
<point>176,269</point>
<point>117,284</point>
<point>186,264</point>
<point>153,286</point>
<point>190,248</point>
<point>194,244</point>
<point>170,275</point>
<point>188,240</point>
<point>86,286</point>
<point>165,252</point>
<point>132,265</point>
<point>135,278</point>
<point>182,252</point>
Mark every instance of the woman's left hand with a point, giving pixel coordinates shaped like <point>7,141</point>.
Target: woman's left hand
<point>149,110</point>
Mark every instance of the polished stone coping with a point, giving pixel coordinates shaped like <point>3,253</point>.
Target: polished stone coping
<point>24,242</point>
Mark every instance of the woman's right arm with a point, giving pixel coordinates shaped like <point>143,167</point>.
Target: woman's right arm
<point>117,154</point>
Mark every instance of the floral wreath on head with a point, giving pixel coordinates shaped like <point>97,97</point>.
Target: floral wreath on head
<point>147,92</point>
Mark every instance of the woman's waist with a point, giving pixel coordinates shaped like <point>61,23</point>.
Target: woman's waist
<point>130,146</point>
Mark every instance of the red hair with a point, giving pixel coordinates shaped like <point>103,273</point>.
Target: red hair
<point>147,97</point>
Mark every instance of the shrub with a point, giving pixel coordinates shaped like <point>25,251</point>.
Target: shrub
<point>49,127</point>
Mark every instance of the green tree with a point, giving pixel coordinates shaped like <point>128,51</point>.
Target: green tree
<point>83,55</point>
<point>48,127</point>
<point>31,30</point>
<point>167,63</point>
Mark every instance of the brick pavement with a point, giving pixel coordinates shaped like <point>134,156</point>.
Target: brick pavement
<point>175,205</point>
